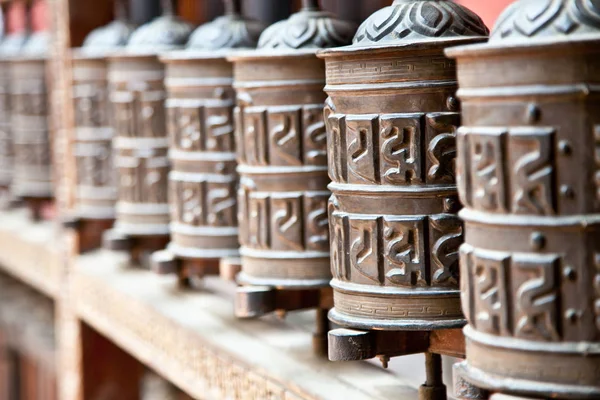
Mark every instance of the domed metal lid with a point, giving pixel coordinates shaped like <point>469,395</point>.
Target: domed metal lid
<point>163,33</point>
<point>37,46</point>
<point>548,19</point>
<point>413,21</point>
<point>111,36</point>
<point>310,28</point>
<point>13,43</point>
<point>231,31</point>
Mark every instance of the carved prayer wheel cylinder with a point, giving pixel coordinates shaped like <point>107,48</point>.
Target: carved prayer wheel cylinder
<point>203,180</point>
<point>391,120</point>
<point>29,107</point>
<point>528,165</point>
<point>96,187</point>
<point>282,157</point>
<point>96,179</point>
<point>138,95</point>
<point>6,147</point>
<point>10,46</point>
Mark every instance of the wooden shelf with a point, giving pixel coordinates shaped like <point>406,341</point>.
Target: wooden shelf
<point>193,340</point>
<point>31,252</point>
<point>190,338</point>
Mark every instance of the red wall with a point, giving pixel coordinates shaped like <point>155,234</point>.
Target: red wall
<point>15,16</point>
<point>489,10</point>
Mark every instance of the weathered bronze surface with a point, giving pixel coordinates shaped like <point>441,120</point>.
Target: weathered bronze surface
<point>527,168</point>
<point>137,95</point>
<point>29,108</point>
<point>10,46</point>
<point>282,152</point>
<point>96,181</point>
<point>282,155</point>
<point>203,181</point>
<point>391,119</point>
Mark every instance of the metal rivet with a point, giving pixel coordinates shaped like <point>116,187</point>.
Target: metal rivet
<point>534,114</point>
<point>572,315</point>
<point>570,273</point>
<point>538,241</point>
<point>565,147</point>
<point>567,191</point>
<point>450,205</point>
<point>452,103</point>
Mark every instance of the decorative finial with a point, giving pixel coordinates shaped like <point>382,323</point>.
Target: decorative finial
<point>121,11</point>
<point>310,5</point>
<point>233,7</point>
<point>168,7</point>
<point>28,17</point>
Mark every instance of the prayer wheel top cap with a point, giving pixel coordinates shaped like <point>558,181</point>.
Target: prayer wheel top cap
<point>12,44</point>
<point>230,31</point>
<point>108,37</point>
<point>528,23</point>
<point>414,24</point>
<point>303,33</point>
<point>163,33</point>
<point>37,46</point>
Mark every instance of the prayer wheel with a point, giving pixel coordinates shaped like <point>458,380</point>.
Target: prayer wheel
<point>10,46</point>
<point>391,120</point>
<point>527,165</point>
<point>282,156</point>
<point>32,176</point>
<point>137,95</point>
<point>203,180</point>
<point>96,187</point>
<point>96,193</point>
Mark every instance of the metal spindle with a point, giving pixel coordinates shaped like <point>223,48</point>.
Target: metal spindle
<point>168,7</point>
<point>121,10</point>
<point>310,5</point>
<point>233,7</point>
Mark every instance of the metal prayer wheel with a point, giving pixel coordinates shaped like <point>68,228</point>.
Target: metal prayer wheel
<point>10,46</point>
<point>137,95</point>
<point>391,119</point>
<point>203,180</point>
<point>96,186</point>
<point>281,144</point>
<point>32,176</point>
<point>96,193</point>
<point>527,168</point>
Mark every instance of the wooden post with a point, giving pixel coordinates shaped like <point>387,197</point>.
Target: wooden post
<point>107,370</point>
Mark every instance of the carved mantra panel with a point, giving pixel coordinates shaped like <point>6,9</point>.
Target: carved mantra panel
<point>141,145</point>
<point>96,181</point>
<point>203,183</point>
<point>527,170</point>
<point>524,185</point>
<point>283,167</point>
<point>32,171</point>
